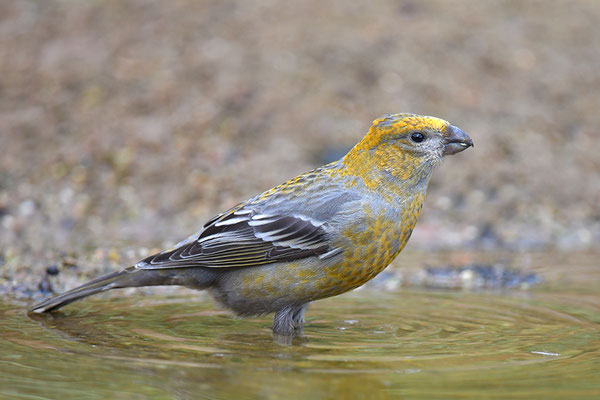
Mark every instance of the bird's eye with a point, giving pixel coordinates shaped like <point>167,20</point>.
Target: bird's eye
<point>417,137</point>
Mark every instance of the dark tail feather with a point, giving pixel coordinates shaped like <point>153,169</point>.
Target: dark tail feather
<point>113,280</point>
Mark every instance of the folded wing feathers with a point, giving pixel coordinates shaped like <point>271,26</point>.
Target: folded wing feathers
<point>240,238</point>
<point>231,221</point>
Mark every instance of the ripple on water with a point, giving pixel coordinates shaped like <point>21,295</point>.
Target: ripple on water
<point>394,342</point>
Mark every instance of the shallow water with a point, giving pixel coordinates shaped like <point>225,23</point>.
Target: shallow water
<point>542,343</point>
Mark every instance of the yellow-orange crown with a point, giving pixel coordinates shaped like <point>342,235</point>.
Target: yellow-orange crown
<point>398,123</point>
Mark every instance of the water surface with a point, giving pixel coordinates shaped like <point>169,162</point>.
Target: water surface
<point>542,343</point>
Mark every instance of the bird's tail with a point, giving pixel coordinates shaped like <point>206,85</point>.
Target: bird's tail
<point>113,280</point>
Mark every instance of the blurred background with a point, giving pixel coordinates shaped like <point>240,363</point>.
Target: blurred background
<point>125,125</point>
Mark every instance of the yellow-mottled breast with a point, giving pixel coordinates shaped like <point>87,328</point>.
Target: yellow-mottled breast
<point>375,243</point>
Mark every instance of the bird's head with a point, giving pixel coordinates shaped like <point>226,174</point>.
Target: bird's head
<point>406,146</point>
<point>424,137</point>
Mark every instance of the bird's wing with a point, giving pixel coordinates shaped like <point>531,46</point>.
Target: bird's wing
<point>245,237</point>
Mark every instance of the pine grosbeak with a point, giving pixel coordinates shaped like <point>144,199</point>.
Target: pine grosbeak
<point>317,235</point>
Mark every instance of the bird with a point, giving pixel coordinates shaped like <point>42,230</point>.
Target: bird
<point>320,234</point>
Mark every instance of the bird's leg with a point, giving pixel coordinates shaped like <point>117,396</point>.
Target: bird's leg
<point>298,317</point>
<point>289,320</point>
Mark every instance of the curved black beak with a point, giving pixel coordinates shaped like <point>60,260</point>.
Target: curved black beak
<point>456,140</point>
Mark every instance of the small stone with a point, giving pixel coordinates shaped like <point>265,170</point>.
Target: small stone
<point>45,286</point>
<point>52,270</point>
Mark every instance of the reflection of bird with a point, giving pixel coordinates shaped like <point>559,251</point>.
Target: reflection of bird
<point>320,234</point>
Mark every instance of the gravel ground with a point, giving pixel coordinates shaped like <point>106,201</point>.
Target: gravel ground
<point>125,125</point>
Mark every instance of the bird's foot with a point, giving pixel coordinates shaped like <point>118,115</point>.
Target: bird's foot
<point>289,321</point>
